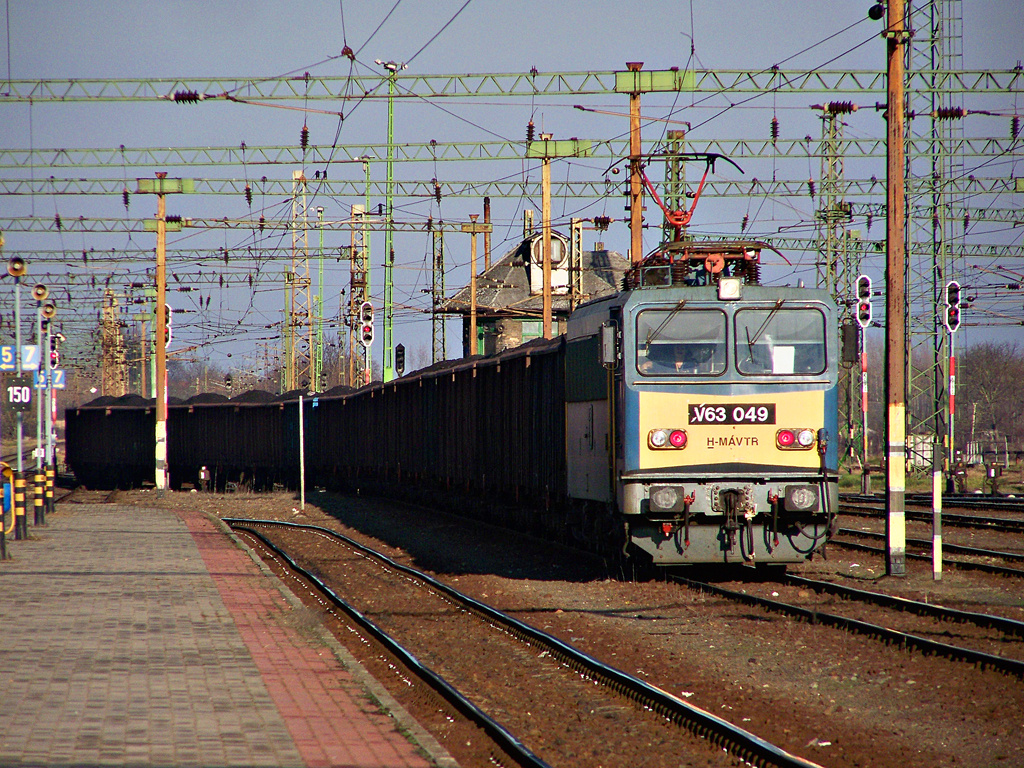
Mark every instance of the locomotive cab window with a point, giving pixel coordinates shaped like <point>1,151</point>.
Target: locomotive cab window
<point>680,342</point>
<point>780,341</point>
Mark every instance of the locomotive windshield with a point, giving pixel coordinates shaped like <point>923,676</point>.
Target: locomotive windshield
<point>680,341</point>
<point>780,341</point>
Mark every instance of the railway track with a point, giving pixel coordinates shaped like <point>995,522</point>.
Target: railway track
<point>561,698</point>
<point>984,640</point>
<point>81,495</point>
<point>1002,524</point>
<point>924,552</point>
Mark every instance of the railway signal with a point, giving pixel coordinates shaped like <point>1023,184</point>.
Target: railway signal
<point>400,359</point>
<point>864,301</point>
<point>366,324</point>
<point>168,315</point>
<point>952,305</point>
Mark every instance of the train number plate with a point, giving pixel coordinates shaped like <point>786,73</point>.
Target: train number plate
<point>733,413</point>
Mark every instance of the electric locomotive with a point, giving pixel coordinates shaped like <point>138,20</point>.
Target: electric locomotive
<point>701,409</point>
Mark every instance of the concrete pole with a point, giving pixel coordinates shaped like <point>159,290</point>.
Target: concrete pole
<point>472,288</point>
<point>545,229</point>
<point>895,312</point>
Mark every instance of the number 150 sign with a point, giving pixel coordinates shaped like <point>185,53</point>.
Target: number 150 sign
<point>18,393</point>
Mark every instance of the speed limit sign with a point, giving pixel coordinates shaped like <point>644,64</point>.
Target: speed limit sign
<point>18,391</point>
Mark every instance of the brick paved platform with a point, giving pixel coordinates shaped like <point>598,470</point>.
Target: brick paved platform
<point>150,638</point>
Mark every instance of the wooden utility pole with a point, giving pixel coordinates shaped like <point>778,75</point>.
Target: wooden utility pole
<point>161,339</point>
<point>895,313</point>
<point>473,229</point>
<point>636,188</point>
<point>545,149</point>
<point>162,186</point>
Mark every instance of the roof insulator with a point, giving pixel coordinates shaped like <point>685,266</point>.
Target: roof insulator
<point>188,97</point>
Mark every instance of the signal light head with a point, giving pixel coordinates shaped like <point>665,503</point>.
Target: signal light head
<point>666,438</point>
<point>794,439</point>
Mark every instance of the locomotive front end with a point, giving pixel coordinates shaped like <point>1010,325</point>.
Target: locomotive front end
<point>729,423</point>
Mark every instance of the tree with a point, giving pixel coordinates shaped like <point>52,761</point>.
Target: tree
<point>990,396</point>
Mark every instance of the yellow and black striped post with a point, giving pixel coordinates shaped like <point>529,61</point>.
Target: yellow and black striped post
<point>38,496</point>
<point>51,478</point>
<point>20,523</point>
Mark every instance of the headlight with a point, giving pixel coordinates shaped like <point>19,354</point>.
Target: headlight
<point>794,439</point>
<point>664,498</point>
<point>666,438</point>
<point>801,498</point>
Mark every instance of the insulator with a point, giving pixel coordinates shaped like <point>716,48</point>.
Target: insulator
<point>1014,126</point>
<point>124,197</point>
<point>248,195</point>
<point>949,113</point>
<point>85,258</point>
<point>262,222</point>
<point>250,279</point>
<point>226,259</point>
<point>187,97</point>
<point>811,187</point>
<point>437,191</point>
<point>346,51</point>
<point>967,222</point>
<point>743,224</point>
<point>57,222</point>
<point>430,223</point>
<point>840,107</point>
<point>867,221</point>
<point>304,137</point>
<point>529,132</point>
<point>173,219</point>
<point>775,129</point>
<point>935,221</point>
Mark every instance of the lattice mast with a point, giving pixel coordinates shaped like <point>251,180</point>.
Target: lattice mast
<point>935,170</point>
<point>299,305</point>
<point>113,360</point>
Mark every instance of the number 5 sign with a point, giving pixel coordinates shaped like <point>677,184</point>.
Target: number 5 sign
<point>18,393</point>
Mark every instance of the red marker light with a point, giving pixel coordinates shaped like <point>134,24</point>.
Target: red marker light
<point>677,438</point>
<point>786,438</point>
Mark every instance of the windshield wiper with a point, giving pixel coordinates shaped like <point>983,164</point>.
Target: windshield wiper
<point>759,331</point>
<point>652,336</point>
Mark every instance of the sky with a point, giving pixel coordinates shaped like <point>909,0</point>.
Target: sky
<point>229,324</point>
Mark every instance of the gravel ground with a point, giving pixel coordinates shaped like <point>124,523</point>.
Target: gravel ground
<point>836,699</point>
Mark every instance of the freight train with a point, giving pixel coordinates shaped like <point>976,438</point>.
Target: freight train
<point>689,418</point>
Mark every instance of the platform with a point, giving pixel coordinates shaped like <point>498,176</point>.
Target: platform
<point>143,637</point>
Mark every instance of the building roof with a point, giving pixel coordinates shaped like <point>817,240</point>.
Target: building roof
<point>504,289</point>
